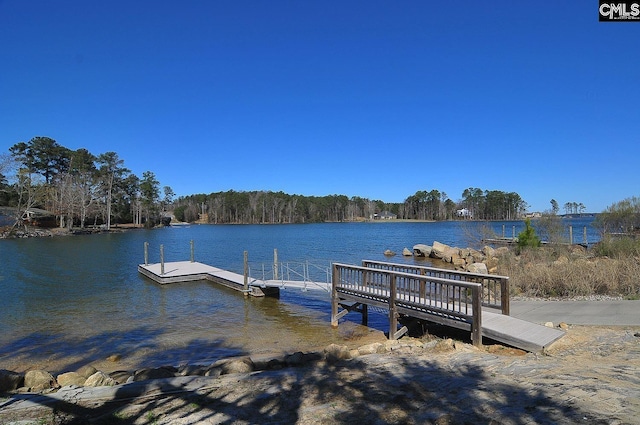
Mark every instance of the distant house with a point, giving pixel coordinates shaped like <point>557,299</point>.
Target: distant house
<point>464,213</point>
<point>385,215</point>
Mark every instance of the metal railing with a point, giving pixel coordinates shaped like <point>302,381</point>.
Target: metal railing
<point>308,272</point>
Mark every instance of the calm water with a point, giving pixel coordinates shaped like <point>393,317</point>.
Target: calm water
<point>69,301</point>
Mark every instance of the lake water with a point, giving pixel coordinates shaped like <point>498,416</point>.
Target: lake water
<point>69,301</point>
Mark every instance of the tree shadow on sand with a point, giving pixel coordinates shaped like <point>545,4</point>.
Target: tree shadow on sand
<point>377,389</point>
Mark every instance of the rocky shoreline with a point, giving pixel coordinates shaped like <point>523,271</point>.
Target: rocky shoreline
<point>588,376</point>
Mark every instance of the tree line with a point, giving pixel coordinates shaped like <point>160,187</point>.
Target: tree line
<point>279,207</point>
<point>76,186</point>
<point>81,188</point>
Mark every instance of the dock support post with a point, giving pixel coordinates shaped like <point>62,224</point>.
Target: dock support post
<point>476,325</point>
<point>161,259</point>
<point>335,300</point>
<point>275,263</point>
<point>570,235</point>
<point>146,253</point>
<point>584,236</point>
<point>246,273</point>
<point>513,233</point>
<point>192,256</point>
<point>393,312</point>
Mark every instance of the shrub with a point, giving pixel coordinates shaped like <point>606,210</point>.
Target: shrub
<point>528,238</point>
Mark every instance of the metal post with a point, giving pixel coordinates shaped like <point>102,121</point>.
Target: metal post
<point>335,299</point>
<point>146,253</point>
<point>192,256</point>
<point>275,263</point>
<point>246,273</point>
<point>393,312</point>
<point>161,259</point>
<point>570,235</point>
<point>476,326</point>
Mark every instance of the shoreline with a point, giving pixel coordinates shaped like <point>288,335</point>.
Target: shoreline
<point>590,374</point>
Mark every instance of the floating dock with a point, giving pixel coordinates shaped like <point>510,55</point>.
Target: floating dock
<point>188,271</point>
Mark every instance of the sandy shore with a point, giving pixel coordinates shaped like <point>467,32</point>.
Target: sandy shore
<point>592,375</point>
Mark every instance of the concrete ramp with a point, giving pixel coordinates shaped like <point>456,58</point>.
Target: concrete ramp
<point>517,332</point>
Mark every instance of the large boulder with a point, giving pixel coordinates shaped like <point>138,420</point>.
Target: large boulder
<point>70,378</point>
<point>86,371</point>
<point>480,268</point>
<point>438,250</point>
<point>10,381</point>
<point>39,380</point>
<point>239,365</point>
<point>421,250</point>
<point>334,353</point>
<point>155,373</point>
<point>100,379</point>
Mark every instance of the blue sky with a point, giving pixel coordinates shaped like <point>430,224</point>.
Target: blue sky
<point>377,99</point>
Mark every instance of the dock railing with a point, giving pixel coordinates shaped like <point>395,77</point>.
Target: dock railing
<point>495,289</point>
<point>452,302</point>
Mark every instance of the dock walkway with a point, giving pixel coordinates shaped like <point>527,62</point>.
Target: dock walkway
<point>474,302</point>
<point>187,271</point>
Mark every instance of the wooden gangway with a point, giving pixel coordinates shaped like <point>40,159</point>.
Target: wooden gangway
<point>469,301</point>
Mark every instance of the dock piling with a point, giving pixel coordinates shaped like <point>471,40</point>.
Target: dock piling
<point>192,256</point>
<point>161,259</point>
<point>246,273</point>
<point>275,263</point>
<point>146,253</point>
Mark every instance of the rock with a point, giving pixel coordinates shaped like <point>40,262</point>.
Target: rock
<point>154,373</point>
<point>99,379</point>
<point>480,268</point>
<point>192,370</point>
<point>334,353</point>
<point>438,250</point>
<point>488,251</point>
<point>459,263</point>
<point>39,380</point>
<point>373,348</point>
<point>563,326</point>
<point>421,250</point>
<point>10,381</point>
<point>213,371</point>
<point>549,324</point>
<point>121,376</point>
<point>449,254</point>
<point>86,371</point>
<point>407,252</point>
<point>114,358</point>
<point>389,253</point>
<point>295,359</point>
<point>444,345</point>
<point>240,365</point>
<point>70,378</point>
<point>503,250</point>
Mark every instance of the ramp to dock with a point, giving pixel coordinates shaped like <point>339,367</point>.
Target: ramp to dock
<point>517,332</point>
